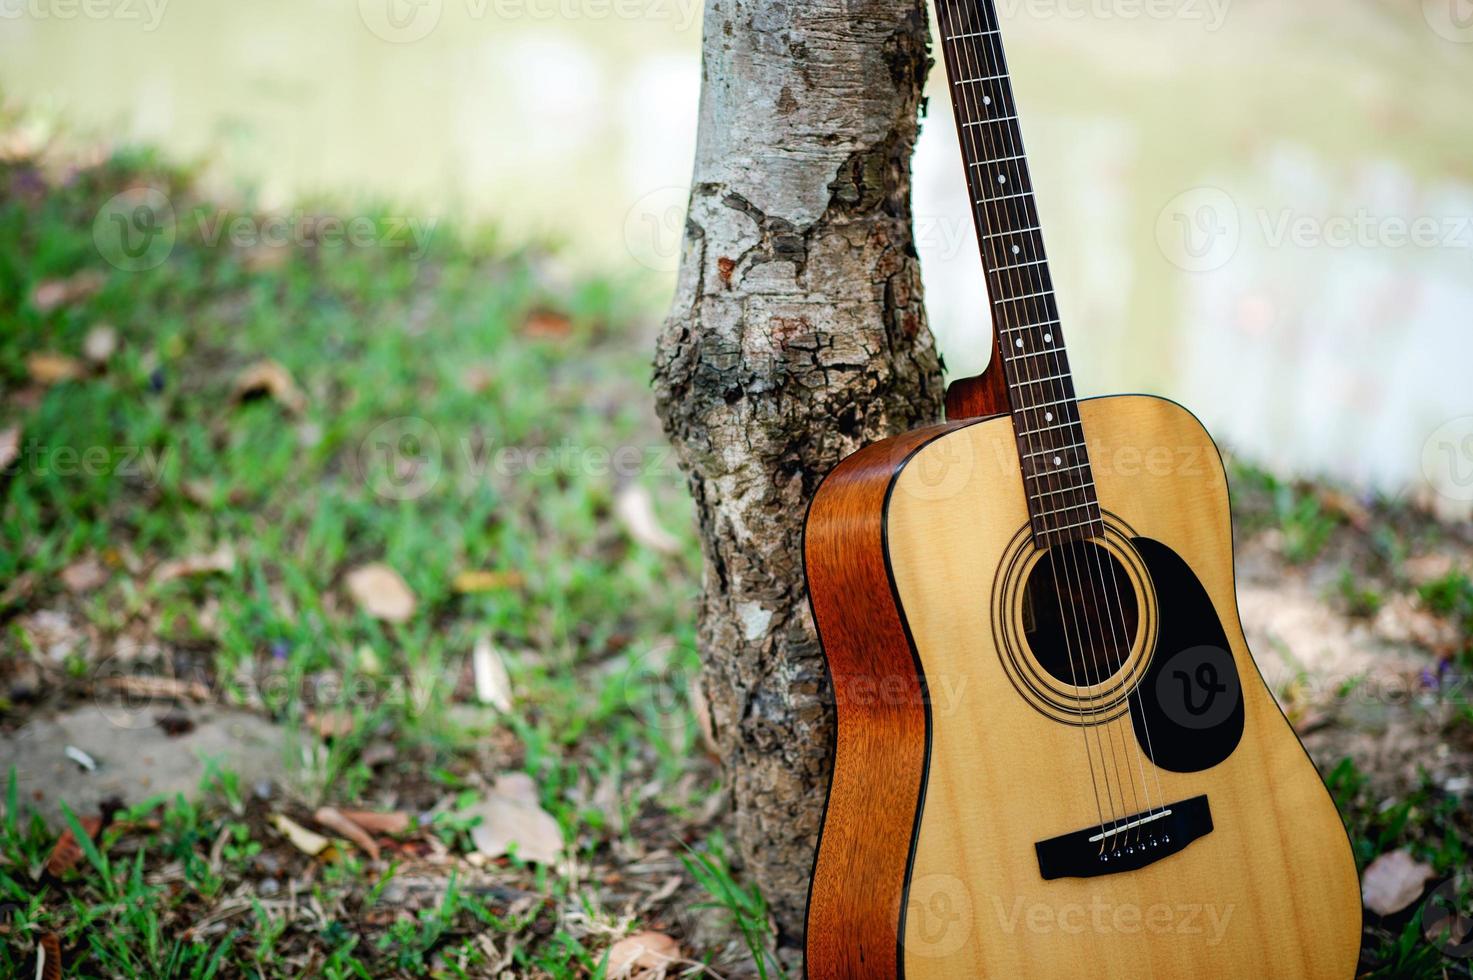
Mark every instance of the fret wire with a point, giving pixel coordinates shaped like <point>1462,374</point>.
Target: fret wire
<point>1066,469</point>
<point>1051,428</point>
<point>1039,381</point>
<point>1070,527</point>
<point>1056,450</point>
<point>1019,299</point>
<point>1020,231</point>
<point>1064,510</point>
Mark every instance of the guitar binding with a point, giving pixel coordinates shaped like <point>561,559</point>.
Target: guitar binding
<point>1162,833</point>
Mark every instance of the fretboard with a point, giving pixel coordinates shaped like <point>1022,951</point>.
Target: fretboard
<point>1056,468</point>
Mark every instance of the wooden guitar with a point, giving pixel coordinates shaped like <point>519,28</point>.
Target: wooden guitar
<point>1055,755</point>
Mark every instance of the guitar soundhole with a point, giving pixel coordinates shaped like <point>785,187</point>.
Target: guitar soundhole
<point>1080,613</point>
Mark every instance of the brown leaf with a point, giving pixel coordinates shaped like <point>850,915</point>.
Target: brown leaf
<point>636,510</point>
<point>1393,881</point>
<point>174,723</point>
<point>67,852</point>
<point>48,957</point>
<point>219,561</point>
<point>485,580</point>
<point>395,822</point>
<point>100,344</point>
<point>510,819</point>
<point>1428,568</point>
<point>547,325</point>
<point>701,708</point>
<point>642,951</point>
<point>304,840</point>
<point>1346,506</point>
<point>381,592</point>
<point>331,724</point>
<point>268,378</point>
<point>9,445</point>
<point>334,820</point>
<point>84,575</point>
<point>50,368</point>
<point>143,686</point>
<point>51,294</point>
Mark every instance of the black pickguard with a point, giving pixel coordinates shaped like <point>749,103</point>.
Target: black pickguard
<point>1189,716</point>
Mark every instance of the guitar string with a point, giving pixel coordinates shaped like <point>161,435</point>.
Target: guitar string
<point>1114,615</point>
<point>1089,597</point>
<point>1062,558</point>
<point>1110,760</point>
<point>965,68</point>
<point>1042,289</point>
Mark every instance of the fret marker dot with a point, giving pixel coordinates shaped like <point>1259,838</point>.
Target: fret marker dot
<point>1058,461</point>
<point>987,100</point>
<point>1017,250</point>
<point>1019,341</point>
<point>1048,416</point>
<point>1048,338</point>
<point>1001,179</point>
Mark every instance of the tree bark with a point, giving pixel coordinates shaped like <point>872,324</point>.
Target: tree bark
<point>797,335</point>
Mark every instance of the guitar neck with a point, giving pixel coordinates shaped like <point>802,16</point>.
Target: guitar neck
<point>1056,468</point>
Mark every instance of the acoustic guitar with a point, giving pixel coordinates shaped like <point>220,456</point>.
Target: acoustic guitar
<point>1055,756</point>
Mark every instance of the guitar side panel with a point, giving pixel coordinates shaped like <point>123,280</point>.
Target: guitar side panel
<point>855,904</point>
<point>1270,891</point>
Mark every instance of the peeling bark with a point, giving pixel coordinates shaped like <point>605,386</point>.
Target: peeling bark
<point>797,335</point>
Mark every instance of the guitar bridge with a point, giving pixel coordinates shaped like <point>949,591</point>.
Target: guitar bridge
<point>1126,845</point>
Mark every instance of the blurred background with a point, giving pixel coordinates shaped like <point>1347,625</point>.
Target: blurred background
<point>1260,209</point>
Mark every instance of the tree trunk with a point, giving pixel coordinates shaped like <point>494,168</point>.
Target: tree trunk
<point>797,335</point>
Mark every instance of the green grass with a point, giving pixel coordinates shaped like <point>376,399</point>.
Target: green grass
<point>530,432</point>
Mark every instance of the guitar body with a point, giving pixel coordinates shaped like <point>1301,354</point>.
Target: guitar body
<point>991,815</point>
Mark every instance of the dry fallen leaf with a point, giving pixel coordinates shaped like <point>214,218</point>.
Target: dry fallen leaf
<point>636,509</point>
<point>271,379</point>
<point>1428,568</point>
<point>701,708</point>
<point>49,368</point>
<point>51,294</point>
<point>67,852</point>
<point>381,592</point>
<point>334,820</point>
<point>304,840</point>
<point>493,684</point>
<point>547,324</point>
<point>510,819</point>
<point>220,561</point>
<point>48,957</point>
<point>100,344</point>
<point>642,951</point>
<point>84,575</point>
<point>9,445</point>
<point>331,724</point>
<point>481,580</point>
<point>395,822</point>
<point>1393,881</point>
